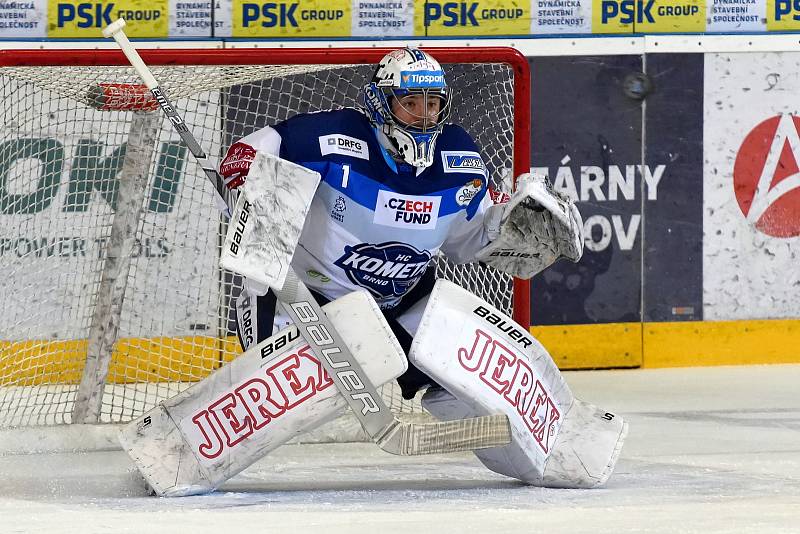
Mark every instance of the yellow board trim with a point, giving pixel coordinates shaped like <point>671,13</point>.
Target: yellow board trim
<point>595,346</point>
<point>672,344</point>
<point>135,360</point>
<point>592,346</point>
<point>710,343</point>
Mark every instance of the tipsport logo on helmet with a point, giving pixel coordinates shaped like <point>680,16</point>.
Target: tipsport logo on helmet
<point>387,270</point>
<point>421,79</point>
<point>766,176</point>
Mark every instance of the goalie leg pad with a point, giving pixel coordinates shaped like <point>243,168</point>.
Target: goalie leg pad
<point>490,365</point>
<point>580,457</point>
<point>276,390</point>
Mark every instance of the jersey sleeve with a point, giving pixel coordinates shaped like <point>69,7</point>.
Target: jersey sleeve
<point>468,235</point>
<point>267,139</point>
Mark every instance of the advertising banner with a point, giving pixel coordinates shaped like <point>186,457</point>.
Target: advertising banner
<point>649,16</point>
<point>671,16</point>
<point>561,16</point>
<point>477,18</point>
<point>752,186</point>
<point>736,16</point>
<point>287,18</point>
<point>76,19</point>
<point>672,224</point>
<point>592,152</point>
<point>383,19</point>
<point>58,193</point>
<point>613,16</point>
<point>24,19</point>
<point>783,15</point>
<point>192,18</point>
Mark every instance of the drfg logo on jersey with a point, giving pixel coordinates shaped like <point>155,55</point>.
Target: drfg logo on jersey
<point>766,176</point>
<point>344,145</point>
<point>387,270</point>
<point>254,403</point>
<point>406,211</point>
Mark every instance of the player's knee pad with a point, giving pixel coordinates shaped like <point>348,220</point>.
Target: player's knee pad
<point>491,365</point>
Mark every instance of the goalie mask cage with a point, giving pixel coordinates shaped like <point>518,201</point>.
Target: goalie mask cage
<point>109,236</point>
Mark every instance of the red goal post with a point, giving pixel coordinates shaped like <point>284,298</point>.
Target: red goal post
<point>81,185</point>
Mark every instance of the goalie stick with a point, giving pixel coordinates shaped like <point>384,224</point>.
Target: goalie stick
<point>380,423</point>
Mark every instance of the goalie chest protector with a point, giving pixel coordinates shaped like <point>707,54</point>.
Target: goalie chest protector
<point>375,223</point>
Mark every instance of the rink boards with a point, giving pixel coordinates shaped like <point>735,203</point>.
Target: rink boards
<point>690,196</point>
<point>691,204</point>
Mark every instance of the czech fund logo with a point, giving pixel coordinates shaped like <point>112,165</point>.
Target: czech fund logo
<point>482,17</point>
<point>783,15</point>
<point>76,19</point>
<point>766,176</point>
<point>656,16</point>
<point>306,18</point>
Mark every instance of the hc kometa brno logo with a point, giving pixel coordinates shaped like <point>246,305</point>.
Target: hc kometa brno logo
<point>387,270</point>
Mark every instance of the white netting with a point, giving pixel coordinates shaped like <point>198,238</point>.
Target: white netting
<point>72,242</point>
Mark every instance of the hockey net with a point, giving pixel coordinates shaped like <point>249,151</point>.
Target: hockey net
<point>109,239</point>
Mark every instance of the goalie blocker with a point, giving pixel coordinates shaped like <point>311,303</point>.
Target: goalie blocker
<point>486,364</point>
<point>193,442</point>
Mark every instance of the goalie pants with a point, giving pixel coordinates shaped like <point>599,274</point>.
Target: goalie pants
<point>262,309</point>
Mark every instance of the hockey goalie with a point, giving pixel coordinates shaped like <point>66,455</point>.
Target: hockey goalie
<point>353,204</point>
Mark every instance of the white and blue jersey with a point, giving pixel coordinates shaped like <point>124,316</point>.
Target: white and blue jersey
<point>375,223</point>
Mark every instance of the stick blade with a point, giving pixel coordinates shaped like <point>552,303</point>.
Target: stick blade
<point>412,439</point>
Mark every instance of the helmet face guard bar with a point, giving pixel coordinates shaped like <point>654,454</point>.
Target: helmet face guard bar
<point>423,121</point>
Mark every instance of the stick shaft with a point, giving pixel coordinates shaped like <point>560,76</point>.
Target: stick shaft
<point>223,197</point>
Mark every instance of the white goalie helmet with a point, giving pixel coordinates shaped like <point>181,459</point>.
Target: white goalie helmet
<point>408,101</point>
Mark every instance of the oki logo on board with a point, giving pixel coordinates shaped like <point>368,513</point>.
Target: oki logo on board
<point>766,176</point>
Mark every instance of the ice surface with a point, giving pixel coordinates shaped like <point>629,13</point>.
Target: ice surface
<point>709,450</point>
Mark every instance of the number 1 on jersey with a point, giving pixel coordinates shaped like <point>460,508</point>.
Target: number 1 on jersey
<point>345,175</point>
